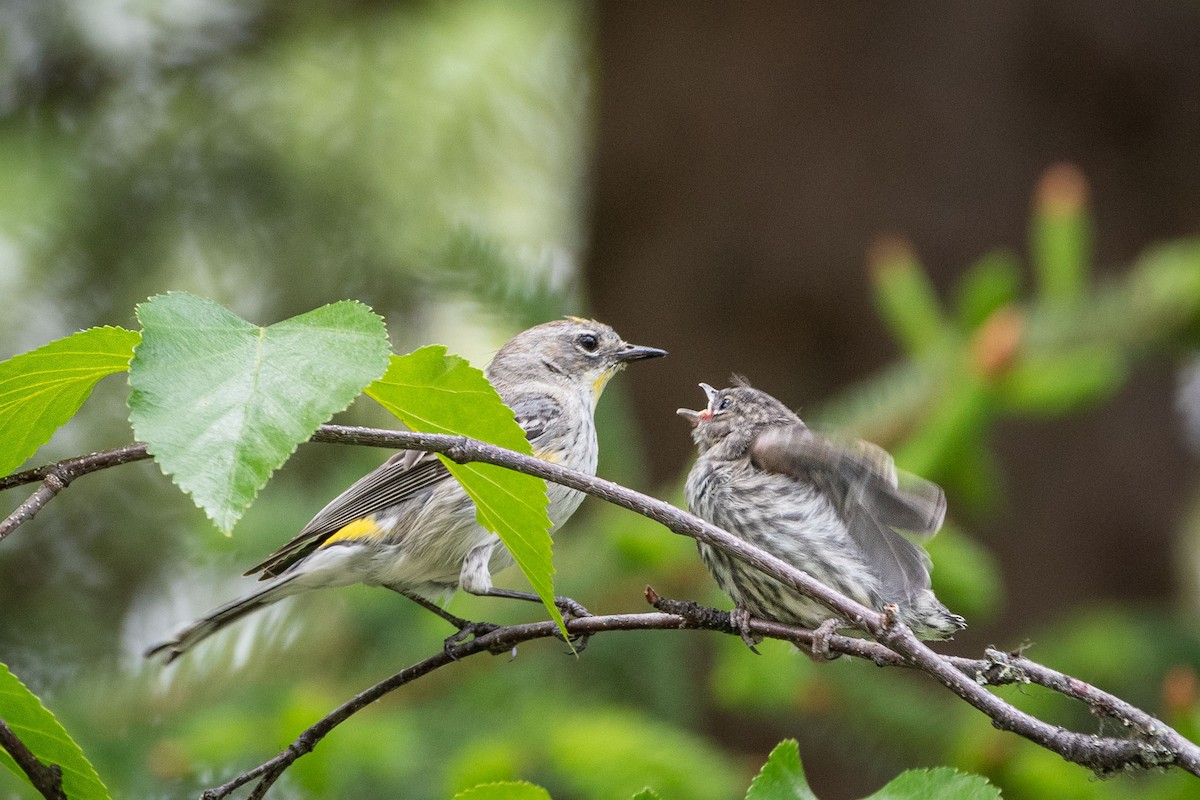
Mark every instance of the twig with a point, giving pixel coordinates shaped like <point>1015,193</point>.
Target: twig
<point>58,476</point>
<point>679,615</point>
<point>79,465</point>
<point>1155,744</point>
<point>46,779</point>
<point>1161,746</point>
<point>52,484</point>
<point>998,669</point>
<point>501,639</point>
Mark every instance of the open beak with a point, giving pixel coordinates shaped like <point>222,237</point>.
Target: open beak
<point>637,352</point>
<point>696,417</point>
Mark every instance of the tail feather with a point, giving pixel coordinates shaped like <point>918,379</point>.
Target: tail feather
<point>932,620</point>
<point>199,630</point>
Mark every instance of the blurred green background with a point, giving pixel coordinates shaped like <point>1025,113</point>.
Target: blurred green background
<point>711,181</point>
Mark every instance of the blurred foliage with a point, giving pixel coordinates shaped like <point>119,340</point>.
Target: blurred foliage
<point>430,159</point>
<point>997,353</point>
<point>508,790</point>
<point>384,152</point>
<point>782,778</point>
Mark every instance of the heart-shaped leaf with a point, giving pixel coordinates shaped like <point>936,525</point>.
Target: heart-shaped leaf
<point>222,403</point>
<point>42,389</point>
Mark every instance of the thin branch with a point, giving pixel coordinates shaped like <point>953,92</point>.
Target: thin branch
<point>58,476</point>
<point>997,669</point>
<point>497,641</point>
<point>79,465</point>
<point>1158,746</point>
<point>46,779</point>
<point>1015,668</point>
<point>52,484</point>
<point>1154,744</point>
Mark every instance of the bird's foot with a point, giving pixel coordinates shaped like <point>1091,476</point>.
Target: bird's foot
<point>819,650</point>
<point>471,630</point>
<point>739,618</point>
<point>572,610</point>
<point>568,607</point>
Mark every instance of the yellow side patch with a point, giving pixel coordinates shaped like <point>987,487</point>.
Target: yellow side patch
<point>359,529</point>
<point>546,455</point>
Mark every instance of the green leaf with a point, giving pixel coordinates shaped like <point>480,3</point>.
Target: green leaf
<point>1056,383</point>
<point>47,739</point>
<point>1163,291</point>
<point>906,299</point>
<point>646,794</point>
<point>634,747</point>
<point>782,777</point>
<point>222,403</point>
<point>992,282</point>
<point>941,783</point>
<point>433,392</point>
<point>955,421</point>
<point>42,389</point>
<point>1061,236</point>
<point>507,790</point>
<point>965,577</point>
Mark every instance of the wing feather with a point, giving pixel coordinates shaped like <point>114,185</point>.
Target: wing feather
<point>400,478</point>
<point>863,484</point>
<point>536,414</point>
<point>861,472</point>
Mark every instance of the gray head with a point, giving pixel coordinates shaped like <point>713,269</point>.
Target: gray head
<point>580,353</point>
<point>733,418</point>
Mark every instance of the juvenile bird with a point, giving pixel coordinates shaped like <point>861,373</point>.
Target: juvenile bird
<point>831,510</point>
<point>409,526</point>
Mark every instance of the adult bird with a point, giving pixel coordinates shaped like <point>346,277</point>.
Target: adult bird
<point>409,526</point>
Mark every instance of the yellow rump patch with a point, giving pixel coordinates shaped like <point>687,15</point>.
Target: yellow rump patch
<point>553,457</point>
<point>359,529</point>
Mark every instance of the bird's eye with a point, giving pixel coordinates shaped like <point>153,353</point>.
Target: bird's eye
<point>725,403</point>
<point>588,342</point>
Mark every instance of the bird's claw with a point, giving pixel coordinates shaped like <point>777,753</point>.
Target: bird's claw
<point>572,609</point>
<point>579,643</point>
<point>819,650</point>
<point>739,618</point>
<point>470,630</point>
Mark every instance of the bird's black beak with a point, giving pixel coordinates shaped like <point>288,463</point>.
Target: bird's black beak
<point>637,352</point>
